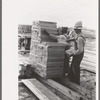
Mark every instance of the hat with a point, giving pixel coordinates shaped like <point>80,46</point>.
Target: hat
<point>78,25</point>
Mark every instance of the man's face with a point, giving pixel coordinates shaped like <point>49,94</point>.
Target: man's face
<point>64,30</point>
<point>77,30</point>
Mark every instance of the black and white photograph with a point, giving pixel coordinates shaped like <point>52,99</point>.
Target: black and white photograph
<point>55,49</point>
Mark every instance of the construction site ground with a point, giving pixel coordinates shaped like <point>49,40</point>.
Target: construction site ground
<point>87,77</point>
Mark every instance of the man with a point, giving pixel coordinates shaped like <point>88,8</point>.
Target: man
<point>74,72</point>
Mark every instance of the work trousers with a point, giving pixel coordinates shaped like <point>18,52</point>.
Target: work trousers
<point>74,71</point>
<point>66,63</point>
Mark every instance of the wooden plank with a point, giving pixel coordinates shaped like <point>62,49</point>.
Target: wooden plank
<point>88,64</point>
<point>24,28</point>
<point>89,69</point>
<point>42,92</point>
<point>54,90</point>
<point>78,89</point>
<point>50,65</point>
<point>54,76</point>
<point>92,47</point>
<point>47,47</point>
<point>93,58</point>
<point>48,55</point>
<point>90,52</point>
<point>39,33</point>
<point>88,47</point>
<point>23,50</point>
<point>66,91</point>
<point>61,89</point>
<point>44,24</point>
<point>50,30</point>
<point>89,60</point>
<point>28,35</point>
<point>48,71</point>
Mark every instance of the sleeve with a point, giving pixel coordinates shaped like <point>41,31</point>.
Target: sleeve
<point>80,46</point>
<point>54,36</point>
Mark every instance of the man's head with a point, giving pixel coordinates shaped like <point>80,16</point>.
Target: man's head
<point>64,30</point>
<point>77,30</point>
<point>78,27</point>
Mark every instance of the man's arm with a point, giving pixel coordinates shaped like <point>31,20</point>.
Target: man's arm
<point>51,35</point>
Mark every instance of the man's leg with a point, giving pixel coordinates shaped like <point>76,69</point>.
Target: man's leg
<point>66,65</point>
<point>74,73</point>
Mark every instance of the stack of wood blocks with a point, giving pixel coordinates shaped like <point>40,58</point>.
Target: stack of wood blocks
<point>46,56</point>
<point>24,29</point>
<point>24,35</point>
<point>38,28</point>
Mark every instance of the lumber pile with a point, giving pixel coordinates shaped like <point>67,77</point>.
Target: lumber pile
<point>89,60</point>
<point>42,92</point>
<point>77,88</point>
<point>48,59</point>
<point>24,34</point>
<point>24,29</point>
<point>46,55</point>
<point>38,28</point>
<point>70,88</point>
<point>51,90</point>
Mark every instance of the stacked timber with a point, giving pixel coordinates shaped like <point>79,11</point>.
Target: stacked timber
<point>47,59</point>
<point>38,28</point>
<point>24,29</point>
<point>24,34</point>
<point>89,60</point>
<point>46,55</point>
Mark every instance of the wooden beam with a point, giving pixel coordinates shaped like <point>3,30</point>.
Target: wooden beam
<point>88,64</point>
<point>64,91</point>
<point>40,90</point>
<point>78,89</point>
<point>89,69</point>
<point>89,60</point>
<point>23,50</point>
<point>28,35</point>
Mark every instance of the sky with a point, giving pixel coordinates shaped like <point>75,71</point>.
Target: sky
<point>64,12</point>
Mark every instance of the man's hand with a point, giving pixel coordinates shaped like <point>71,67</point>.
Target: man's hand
<point>45,32</point>
<point>69,53</point>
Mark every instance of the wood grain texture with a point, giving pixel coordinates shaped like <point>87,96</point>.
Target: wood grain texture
<point>42,92</point>
<point>78,89</point>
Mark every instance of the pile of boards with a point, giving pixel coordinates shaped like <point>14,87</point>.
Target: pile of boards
<point>46,55</point>
<point>24,35</point>
<point>24,29</point>
<point>38,28</point>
